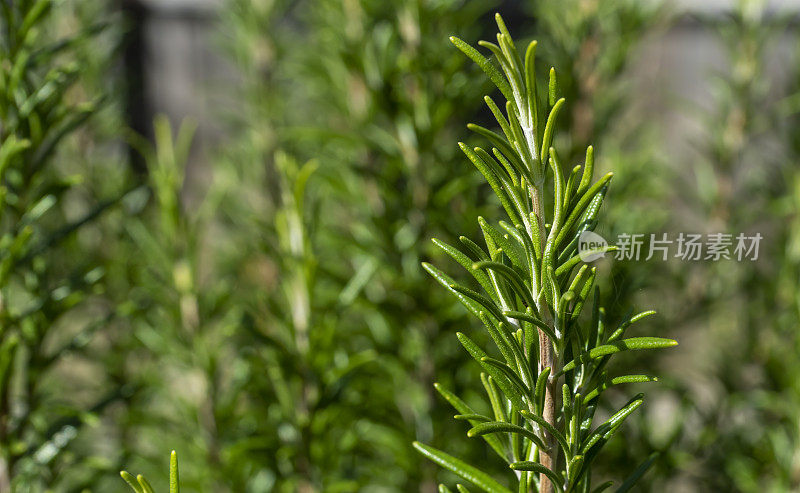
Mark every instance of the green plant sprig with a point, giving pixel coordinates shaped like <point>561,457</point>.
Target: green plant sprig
<point>140,485</point>
<point>545,390</point>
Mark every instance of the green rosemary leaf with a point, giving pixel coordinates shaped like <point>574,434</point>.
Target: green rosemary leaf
<point>588,171</point>
<point>552,87</point>
<point>538,393</point>
<point>603,487</point>
<point>498,115</point>
<point>11,147</point>
<point>497,141</point>
<point>527,465</point>
<point>637,474</point>
<point>508,388</point>
<point>632,344</point>
<point>535,321</point>
<point>570,188</point>
<point>467,263</point>
<point>447,281</point>
<point>146,488</point>
<point>627,323</point>
<point>506,63</point>
<point>559,194</point>
<point>465,410</point>
<point>510,172</point>
<point>498,427</point>
<point>498,403</point>
<point>461,468</point>
<point>501,340</point>
<point>512,49</point>
<point>509,373</point>
<point>549,128</point>
<point>479,298</point>
<point>530,86</point>
<point>473,417</point>
<point>444,489</point>
<point>462,489</point>
<point>574,467</point>
<point>618,380</point>
<point>131,481</point>
<point>473,247</point>
<point>560,437</point>
<point>514,279</point>
<point>494,75</point>
<point>572,262</point>
<point>585,199</point>
<point>514,250</point>
<point>174,481</point>
<point>493,180</point>
<point>607,429</point>
<point>583,293</point>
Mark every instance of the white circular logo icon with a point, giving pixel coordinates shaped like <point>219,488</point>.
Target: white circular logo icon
<point>591,246</point>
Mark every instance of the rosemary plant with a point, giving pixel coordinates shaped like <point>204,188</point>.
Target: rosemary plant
<point>554,367</point>
<point>51,271</point>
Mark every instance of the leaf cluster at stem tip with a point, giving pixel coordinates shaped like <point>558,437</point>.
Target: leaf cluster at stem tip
<point>544,386</point>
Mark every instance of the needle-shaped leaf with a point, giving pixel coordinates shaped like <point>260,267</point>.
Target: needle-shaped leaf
<point>588,171</point>
<point>482,300</point>
<point>493,179</point>
<point>132,482</point>
<point>473,247</point>
<point>619,380</point>
<point>509,274</point>
<point>461,468</point>
<point>535,321</point>
<point>603,487</point>
<point>605,430</point>
<point>562,440</point>
<point>632,344</point>
<point>146,488</point>
<point>627,323</point>
<point>508,388</point>
<point>528,465</point>
<point>467,263</point>
<point>505,147</point>
<point>509,373</point>
<point>583,202</point>
<point>465,410</point>
<point>447,281</point>
<point>494,75</point>
<point>174,480</point>
<point>637,474</point>
<point>498,427</point>
<point>473,417</point>
<point>514,251</point>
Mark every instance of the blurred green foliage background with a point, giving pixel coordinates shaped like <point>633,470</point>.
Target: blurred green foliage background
<point>245,286</point>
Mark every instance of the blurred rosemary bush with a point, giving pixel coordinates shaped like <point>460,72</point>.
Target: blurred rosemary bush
<point>56,372</point>
<point>259,305</point>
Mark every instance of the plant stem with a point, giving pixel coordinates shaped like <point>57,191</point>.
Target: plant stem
<point>548,456</point>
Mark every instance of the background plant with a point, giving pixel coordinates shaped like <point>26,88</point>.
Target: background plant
<point>53,390</point>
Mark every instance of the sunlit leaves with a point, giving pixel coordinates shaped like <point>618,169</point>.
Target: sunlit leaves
<point>531,296</point>
<point>140,485</point>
